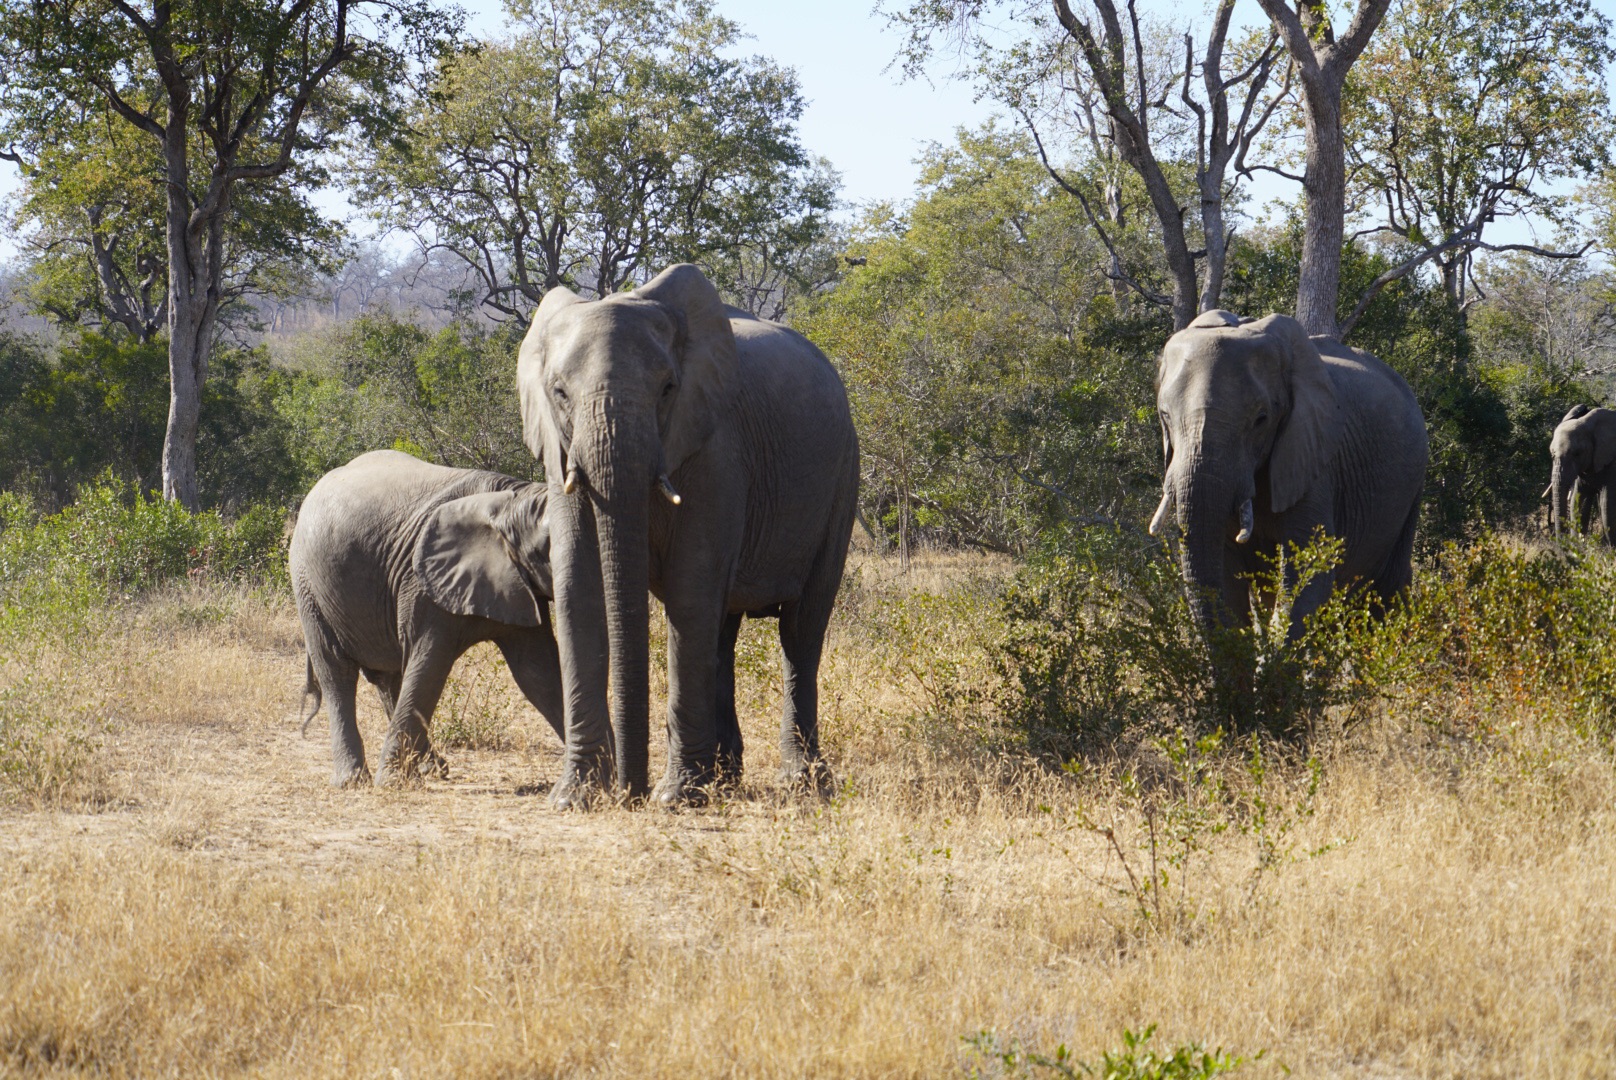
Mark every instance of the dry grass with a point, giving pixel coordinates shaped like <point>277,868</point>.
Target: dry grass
<point>209,906</point>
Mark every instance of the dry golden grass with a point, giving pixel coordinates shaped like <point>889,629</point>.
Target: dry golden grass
<point>209,906</point>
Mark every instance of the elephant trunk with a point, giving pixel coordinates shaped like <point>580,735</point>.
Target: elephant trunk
<point>619,471</point>
<point>1205,506</point>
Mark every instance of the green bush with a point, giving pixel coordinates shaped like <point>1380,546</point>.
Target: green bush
<point>1135,1061</point>
<point>116,542</point>
<point>1099,642</point>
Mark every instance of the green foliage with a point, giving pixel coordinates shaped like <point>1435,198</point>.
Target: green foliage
<point>1098,643</point>
<point>604,140</point>
<point>1520,108</point>
<point>1135,1061</point>
<point>995,387</point>
<point>384,383</point>
<point>101,405</point>
<point>117,542</point>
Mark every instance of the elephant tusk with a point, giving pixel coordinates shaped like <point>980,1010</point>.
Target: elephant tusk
<point>665,486</point>
<point>1244,535</point>
<point>1162,512</point>
<point>571,483</point>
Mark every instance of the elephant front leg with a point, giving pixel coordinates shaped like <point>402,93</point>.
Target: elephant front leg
<point>408,751</point>
<point>693,649</point>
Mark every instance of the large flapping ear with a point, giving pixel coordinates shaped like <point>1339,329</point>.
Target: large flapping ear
<point>1602,422</point>
<point>705,347</point>
<point>468,565</point>
<point>538,425</point>
<point>1308,435</point>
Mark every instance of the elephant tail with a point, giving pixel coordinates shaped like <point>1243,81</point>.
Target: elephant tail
<point>311,685</point>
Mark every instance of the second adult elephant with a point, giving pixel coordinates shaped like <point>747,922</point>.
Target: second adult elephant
<point>1271,435</point>
<point>1584,451</point>
<point>707,456</point>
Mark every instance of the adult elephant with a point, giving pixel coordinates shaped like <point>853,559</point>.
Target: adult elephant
<point>709,457</point>
<point>1584,451</point>
<point>1270,435</point>
<point>399,566</point>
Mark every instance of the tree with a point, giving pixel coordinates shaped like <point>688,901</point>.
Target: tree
<point>1106,77</point>
<point>1321,63</point>
<point>91,218</point>
<point>995,390</point>
<point>230,93</point>
<point>603,140</point>
<point>1519,108</point>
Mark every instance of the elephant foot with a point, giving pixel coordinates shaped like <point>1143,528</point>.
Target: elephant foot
<point>809,778</point>
<point>582,788</point>
<point>688,786</point>
<point>350,776</point>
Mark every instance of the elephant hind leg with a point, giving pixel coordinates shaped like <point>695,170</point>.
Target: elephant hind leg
<point>408,750</point>
<point>1398,573</point>
<point>338,679</point>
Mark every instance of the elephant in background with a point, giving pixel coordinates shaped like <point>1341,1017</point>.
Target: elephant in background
<point>707,456</point>
<point>1269,435</point>
<point>399,566</point>
<point>1584,451</point>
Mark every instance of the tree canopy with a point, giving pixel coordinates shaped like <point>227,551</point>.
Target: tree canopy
<point>601,141</point>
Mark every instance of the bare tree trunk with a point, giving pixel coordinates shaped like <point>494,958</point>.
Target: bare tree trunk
<point>1318,284</point>
<point>1322,63</point>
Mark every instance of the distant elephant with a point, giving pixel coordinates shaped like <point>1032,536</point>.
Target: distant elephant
<point>399,567</point>
<point>1269,435</point>
<point>709,457</point>
<point>1584,452</point>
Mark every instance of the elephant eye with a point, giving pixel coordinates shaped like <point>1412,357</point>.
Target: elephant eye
<point>558,393</point>
<point>667,391</point>
<point>1262,418</point>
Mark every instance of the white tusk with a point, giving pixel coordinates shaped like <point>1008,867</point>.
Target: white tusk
<point>571,483</point>
<point>1162,512</point>
<point>665,486</point>
<point>1244,535</point>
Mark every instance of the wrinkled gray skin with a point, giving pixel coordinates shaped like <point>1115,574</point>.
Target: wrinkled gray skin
<point>399,567</point>
<point>661,393</point>
<point>1584,452</point>
<point>1270,434</point>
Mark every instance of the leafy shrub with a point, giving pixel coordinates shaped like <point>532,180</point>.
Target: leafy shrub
<point>1098,641</point>
<point>116,542</point>
<point>1135,1061</point>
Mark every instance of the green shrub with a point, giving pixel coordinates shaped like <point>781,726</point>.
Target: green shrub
<point>1135,1061</point>
<point>1098,642</point>
<point>116,542</point>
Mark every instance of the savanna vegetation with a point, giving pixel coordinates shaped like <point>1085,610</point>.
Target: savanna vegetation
<point>1058,846</point>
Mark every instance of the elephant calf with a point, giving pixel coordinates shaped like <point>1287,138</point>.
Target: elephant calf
<point>399,567</point>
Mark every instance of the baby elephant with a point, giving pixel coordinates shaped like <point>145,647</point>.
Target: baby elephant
<point>399,567</point>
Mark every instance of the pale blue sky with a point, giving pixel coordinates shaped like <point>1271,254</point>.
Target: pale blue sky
<point>864,118</point>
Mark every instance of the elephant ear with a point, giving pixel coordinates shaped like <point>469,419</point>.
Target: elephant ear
<point>468,565</point>
<point>704,345</point>
<point>1604,428</point>
<point>1307,437</point>
<point>1576,411</point>
<point>539,428</point>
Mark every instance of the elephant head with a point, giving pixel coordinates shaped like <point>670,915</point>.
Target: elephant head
<point>617,394</point>
<point>1249,416</point>
<point>488,555</point>
<point>1584,444</point>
